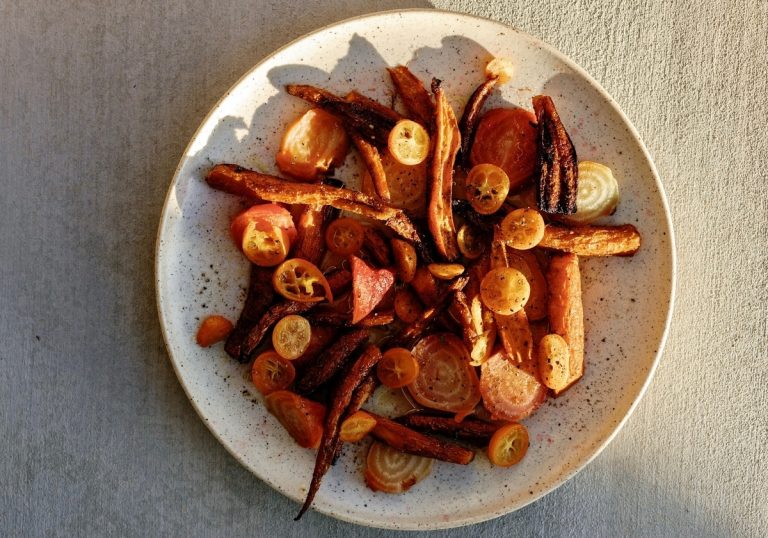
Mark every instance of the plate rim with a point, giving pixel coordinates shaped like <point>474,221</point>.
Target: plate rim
<point>565,477</point>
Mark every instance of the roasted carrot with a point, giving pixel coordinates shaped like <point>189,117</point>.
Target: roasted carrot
<point>378,246</point>
<point>515,335</point>
<point>321,338</point>
<point>378,108</point>
<point>330,361</point>
<point>587,240</point>
<point>469,118</point>
<point>340,402</point>
<point>473,430</point>
<point>302,418</point>
<point>527,263</point>
<point>405,259</point>
<point>337,281</point>
<point>259,298</point>
<point>425,285</point>
<point>377,319</point>
<point>566,312</point>
<point>372,159</point>
<point>213,329</point>
<point>273,315</point>
<point>556,160</point>
<point>330,318</point>
<point>368,151</point>
<point>415,96</point>
<point>412,442</point>
<point>243,182</point>
<point>356,426</point>
<point>310,241</point>
<point>363,391</point>
<point>460,311</point>
<point>446,145</point>
<point>362,118</point>
<point>413,332</point>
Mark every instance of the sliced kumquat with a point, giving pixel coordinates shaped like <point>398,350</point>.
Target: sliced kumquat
<point>486,188</point>
<point>344,236</point>
<point>299,280</point>
<point>504,290</point>
<point>522,229</point>
<point>397,368</point>
<point>356,426</point>
<point>508,445</point>
<point>408,142</point>
<point>271,372</point>
<point>291,336</point>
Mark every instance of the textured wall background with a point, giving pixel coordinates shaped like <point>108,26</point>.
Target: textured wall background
<point>97,102</point>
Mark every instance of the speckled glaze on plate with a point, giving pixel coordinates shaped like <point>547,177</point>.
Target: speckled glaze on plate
<point>627,301</point>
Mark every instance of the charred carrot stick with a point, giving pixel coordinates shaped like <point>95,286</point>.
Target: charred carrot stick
<point>447,138</point>
<point>310,244</point>
<point>460,311</point>
<point>463,209</point>
<point>342,398</point>
<point>337,281</point>
<point>566,311</point>
<point>372,159</point>
<point>368,121</point>
<point>344,319</point>
<point>415,96</point>
<point>475,431</point>
<point>410,441</point>
<point>330,318</point>
<point>469,118</point>
<point>243,182</point>
<point>273,315</point>
<point>314,219</point>
<point>382,110</point>
<point>556,160</point>
<point>330,361</point>
<point>589,240</point>
<point>369,153</point>
<point>321,338</point>
<point>413,332</point>
<point>425,285</point>
<point>259,299</point>
<point>377,319</point>
<point>364,391</point>
<point>378,246</point>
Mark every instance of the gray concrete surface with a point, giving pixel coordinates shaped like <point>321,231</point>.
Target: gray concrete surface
<point>97,102</point>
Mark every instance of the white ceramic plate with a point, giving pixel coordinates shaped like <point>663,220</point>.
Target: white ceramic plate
<point>627,301</point>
